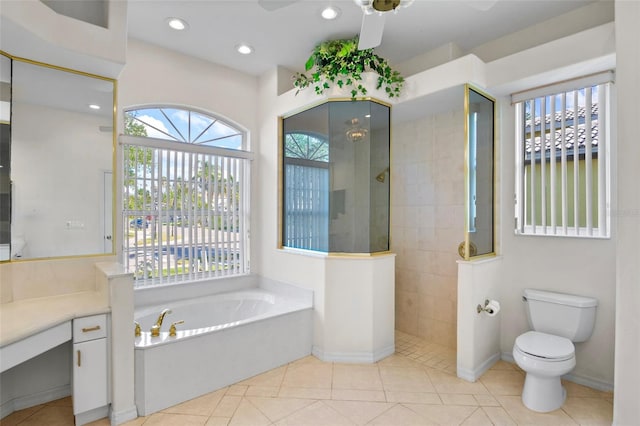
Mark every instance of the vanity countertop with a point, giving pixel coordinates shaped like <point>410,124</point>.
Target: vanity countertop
<point>23,318</point>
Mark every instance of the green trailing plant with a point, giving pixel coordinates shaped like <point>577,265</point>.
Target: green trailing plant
<point>339,62</point>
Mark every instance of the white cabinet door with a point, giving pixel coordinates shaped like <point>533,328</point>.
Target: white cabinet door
<point>89,375</point>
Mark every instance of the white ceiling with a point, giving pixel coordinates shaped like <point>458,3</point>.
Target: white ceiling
<point>287,35</point>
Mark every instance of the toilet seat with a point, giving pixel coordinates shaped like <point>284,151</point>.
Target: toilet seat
<point>545,347</point>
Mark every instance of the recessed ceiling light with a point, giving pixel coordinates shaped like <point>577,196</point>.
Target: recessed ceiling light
<point>245,49</point>
<point>330,12</point>
<point>177,24</point>
<point>94,106</point>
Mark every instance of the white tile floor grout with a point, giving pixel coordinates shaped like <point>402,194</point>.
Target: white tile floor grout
<point>415,386</point>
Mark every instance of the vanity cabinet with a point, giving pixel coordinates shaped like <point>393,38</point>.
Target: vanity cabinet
<point>90,365</point>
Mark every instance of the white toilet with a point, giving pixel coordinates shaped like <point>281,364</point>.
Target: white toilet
<point>547,353</point>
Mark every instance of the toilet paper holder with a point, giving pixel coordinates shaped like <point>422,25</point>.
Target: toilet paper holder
<point>486,308</point>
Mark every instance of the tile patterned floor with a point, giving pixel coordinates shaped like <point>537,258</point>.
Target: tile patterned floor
<point>415,386</point>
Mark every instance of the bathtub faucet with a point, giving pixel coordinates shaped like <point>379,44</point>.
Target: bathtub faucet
<point>155,329</point>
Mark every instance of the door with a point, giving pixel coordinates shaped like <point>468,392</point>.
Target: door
<point>89,375</point>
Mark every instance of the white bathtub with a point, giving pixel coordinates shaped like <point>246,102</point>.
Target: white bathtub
<point>225,338</point>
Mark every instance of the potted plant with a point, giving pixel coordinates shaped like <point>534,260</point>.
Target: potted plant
<point>339,62</point>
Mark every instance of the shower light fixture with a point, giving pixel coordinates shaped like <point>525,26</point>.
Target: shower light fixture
<point>356,133</point>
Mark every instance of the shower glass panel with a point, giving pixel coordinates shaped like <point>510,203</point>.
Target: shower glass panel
<point>335,178</point>
<point>5,157</point>
<point>480,128</point>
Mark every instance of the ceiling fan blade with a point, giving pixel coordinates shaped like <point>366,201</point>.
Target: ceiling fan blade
<point>371,30</point>
<point>272,5</point>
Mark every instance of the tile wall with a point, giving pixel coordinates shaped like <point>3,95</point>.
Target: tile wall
<point>427,222</point>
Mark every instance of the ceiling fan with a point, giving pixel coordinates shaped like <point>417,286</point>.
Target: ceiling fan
<point>373,18</point>
<point>375,11</point>
<point>374,14</point>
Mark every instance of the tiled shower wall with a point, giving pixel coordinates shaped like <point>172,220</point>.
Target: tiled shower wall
<point>427,223</point>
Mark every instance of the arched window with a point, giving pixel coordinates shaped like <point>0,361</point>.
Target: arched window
<point>186,126</point>
<point>185,196</point>
<point>306,146</point>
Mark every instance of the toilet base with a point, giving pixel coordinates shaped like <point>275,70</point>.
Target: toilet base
<point>543,394</point>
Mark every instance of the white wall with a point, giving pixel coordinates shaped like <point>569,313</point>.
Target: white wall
<point>154,76</point>
<point>359,309</point>
<point>570,265</point>
<point>157,76</point>
<point>626,409</point>
<point>325,276</point>
<point>32,30</point>
<point>589,16</point>
<point>478,333</point>
<point>547,263</point>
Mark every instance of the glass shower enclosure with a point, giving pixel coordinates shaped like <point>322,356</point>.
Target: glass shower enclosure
<point>335,177</point>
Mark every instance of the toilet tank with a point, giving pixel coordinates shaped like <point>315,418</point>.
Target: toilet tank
<point>561,314</point>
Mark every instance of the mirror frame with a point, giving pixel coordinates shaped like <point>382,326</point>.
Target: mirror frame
<point>466,250</point>
<point>114,117</point>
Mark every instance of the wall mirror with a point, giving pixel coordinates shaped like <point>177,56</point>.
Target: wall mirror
<point>479,176</point>
<point>59,199</point>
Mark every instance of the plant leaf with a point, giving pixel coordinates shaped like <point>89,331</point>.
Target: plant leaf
<point>310,62</point>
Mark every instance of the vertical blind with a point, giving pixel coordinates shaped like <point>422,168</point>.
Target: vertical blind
<point>185,211</point>
<point>306,207</point>
<point>562,181</point>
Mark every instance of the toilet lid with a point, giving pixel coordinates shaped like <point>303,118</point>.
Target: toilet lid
<point>544,345</point>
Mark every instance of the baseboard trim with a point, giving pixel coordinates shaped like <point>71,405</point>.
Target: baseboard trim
<point>27,401</point>
<point>476,373</point>
<point>589,382</point>
<point>575,378</point>
<point>92,415</point>
<point>354,357</point>
<point>119,417</point>
<point>507,356</point>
